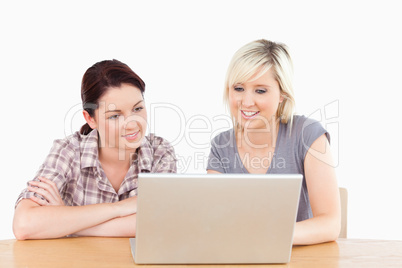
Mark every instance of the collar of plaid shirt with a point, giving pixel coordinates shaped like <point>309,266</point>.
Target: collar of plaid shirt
<point>89,153</point>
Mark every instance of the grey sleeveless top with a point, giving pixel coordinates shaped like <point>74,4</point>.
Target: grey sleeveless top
<point>288,157</point>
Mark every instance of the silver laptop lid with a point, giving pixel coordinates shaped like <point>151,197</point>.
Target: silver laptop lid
<point>216,218</point>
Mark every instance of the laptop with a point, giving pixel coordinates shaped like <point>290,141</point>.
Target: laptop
<point>215,218</point>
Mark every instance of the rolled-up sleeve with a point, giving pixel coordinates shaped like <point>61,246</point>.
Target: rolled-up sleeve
<point>55,168</point>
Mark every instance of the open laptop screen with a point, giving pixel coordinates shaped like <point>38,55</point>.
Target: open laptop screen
<point>216,218</point>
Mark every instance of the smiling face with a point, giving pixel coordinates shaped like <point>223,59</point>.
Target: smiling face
<point>121,118</point>
<point>254,103</point>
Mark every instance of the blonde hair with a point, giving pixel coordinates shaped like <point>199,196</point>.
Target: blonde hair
<point>256,58</point>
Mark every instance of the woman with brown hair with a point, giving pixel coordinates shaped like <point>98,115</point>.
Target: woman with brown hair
<point>87,185</point>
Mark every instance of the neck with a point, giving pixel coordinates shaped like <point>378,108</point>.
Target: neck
<point>115,156</point>
<point>259,138</point>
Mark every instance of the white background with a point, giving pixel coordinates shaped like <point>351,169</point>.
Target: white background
<point>347,57</point>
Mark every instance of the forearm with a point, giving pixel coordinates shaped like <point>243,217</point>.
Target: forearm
<point>38,222</point>
<point>319,229</point>
<point>117,227</point>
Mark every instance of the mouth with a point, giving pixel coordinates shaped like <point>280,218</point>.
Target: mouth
<point>131,136</point>
<point>249,114</point>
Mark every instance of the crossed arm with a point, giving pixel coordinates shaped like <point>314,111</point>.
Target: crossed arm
<point>40,219</point>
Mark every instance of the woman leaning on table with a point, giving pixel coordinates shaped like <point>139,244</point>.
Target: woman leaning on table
<point>87,184</point>
<point>268,138</point>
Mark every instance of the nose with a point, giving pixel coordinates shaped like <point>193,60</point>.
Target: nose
<point>247,99</point>
<point>130,123</point>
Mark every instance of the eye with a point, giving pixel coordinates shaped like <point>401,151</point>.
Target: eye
<point>113,117</point>
<point>260,91</point>
<point>138,109</point>
<point>238,88</point>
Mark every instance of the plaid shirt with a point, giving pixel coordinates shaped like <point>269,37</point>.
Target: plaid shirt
<point>74,166</point>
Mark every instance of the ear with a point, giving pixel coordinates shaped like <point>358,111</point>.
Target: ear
<point>281,98</point>
<point>90,120</point>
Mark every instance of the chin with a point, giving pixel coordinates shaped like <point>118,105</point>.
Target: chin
<point>132,146</point>
<point>253,126</point>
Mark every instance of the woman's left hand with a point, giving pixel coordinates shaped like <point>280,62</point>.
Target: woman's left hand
<point>48,190</point>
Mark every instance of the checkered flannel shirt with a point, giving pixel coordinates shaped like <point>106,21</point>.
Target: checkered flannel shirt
<point>74,166</point>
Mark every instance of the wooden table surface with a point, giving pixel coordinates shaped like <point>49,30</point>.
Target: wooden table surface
<point>116,252</point>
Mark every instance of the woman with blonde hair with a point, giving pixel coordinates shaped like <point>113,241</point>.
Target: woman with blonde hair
<point>268,137</point>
